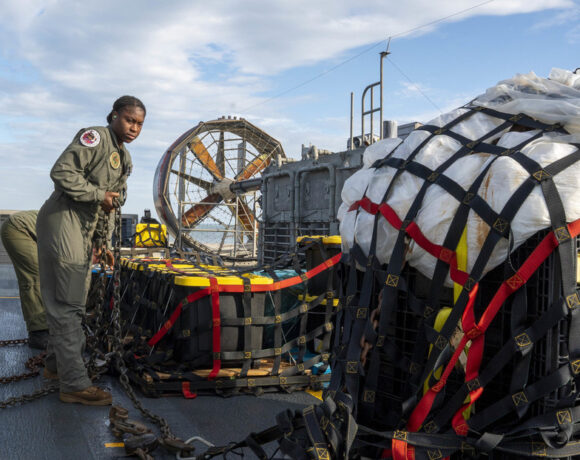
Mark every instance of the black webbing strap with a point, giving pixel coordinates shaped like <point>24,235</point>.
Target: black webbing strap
<point>441,268</point>
<point>302,328</point>
<point>362,326</point>
<point>345,323</point>
<point>329,312</point>
<point>523,120</point>
<point>277,301</point>
<point>324,431</point>
<point>521,343</point>
<point>518,317</point>
<point>567,252</point>
<point>524,397</point>
<point>360,316</point>
<point>555,426</point>
<point>449,186</point>
<point>498,231</point>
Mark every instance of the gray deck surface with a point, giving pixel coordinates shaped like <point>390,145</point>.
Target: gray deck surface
<point>51,430</point>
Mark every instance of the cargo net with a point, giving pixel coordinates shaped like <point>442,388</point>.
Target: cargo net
<point>192,328</point>
<point>459,333</point>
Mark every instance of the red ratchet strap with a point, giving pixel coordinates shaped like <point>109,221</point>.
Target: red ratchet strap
<point>402,450</point>
<point>216,329</point>
<point>440,252</point>
<point>475,332</point>
<point>171,321</point>
<point>186,390</point>
<point>215,289</point>
<point>169,264</point>
<point>509,286</point>
<point>278,285</point>
<point>288,282</point>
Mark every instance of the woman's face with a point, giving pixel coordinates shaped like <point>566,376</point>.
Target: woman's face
<point>127,123</point>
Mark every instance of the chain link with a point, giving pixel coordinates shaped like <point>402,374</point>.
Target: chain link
<point>117,341</point>
<point>9,343</point>
<point>46,390</point>
<point>97,310</point>
<point>33,364</point>
<point>113,342</point>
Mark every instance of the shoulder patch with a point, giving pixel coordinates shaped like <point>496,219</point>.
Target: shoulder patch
<point>90,138</point>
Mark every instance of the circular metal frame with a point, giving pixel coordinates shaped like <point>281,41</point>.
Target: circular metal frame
<point>206,186</point>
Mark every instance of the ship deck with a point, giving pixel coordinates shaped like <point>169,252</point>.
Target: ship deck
<point>46,428</point>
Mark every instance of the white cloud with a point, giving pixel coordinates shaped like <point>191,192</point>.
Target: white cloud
<point>413,89</point>
<point>568,19</point>
<point>188,61</point>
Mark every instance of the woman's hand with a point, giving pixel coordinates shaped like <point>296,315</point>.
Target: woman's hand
<point>107,204</point>
<point>97,257</point>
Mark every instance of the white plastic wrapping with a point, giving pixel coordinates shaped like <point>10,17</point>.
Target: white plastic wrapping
<point>551,101</point>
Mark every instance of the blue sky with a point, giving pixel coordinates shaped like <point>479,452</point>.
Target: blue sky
<point>288,66</point>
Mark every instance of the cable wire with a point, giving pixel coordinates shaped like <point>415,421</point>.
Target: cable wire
<point>417,87</point>
<point>366,50</point>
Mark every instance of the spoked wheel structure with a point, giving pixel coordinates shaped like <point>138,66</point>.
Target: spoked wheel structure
<point>207,186</point>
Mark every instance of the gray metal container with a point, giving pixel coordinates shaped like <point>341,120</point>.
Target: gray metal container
<point>302,198</point>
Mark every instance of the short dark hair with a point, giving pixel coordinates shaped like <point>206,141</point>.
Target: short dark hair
<point>125,101</point>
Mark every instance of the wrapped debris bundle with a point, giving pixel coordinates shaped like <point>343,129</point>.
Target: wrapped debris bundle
<point>451,150</point>
<point>461,318</point>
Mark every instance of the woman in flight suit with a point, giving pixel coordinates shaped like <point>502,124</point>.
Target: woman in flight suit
<point>88,176</point>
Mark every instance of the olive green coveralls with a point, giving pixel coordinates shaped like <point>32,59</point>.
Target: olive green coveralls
<point>19,240</point>
<point>69,223</point>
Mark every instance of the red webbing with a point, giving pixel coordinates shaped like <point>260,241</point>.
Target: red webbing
<point>216,330</point>
<point>186,390</point>
<point>391,216</point>
<point>475,332</point>
<point>508,287</point>
<point>238,289</point>
<point>414,232</point>
<point>402,450</point>
<point>366,204</point>
<point>171,321</point>
<point>169,264</point>
<point>288,282</point>
<point>440,252</point>
<point>424,406</point>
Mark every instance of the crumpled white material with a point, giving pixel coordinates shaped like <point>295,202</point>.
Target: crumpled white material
<point>556,100</point>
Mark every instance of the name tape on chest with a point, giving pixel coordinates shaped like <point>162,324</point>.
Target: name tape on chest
<point>90,138</point>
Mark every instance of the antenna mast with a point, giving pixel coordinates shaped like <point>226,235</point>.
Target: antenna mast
<point>384,54</point>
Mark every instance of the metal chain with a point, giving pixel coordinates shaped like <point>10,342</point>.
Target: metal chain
<point>36,361</point>
<point>97,306</point>
<point>8,343</point>
<point>46,390</point>
<point>117,341</point>
<point>33,364</point>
